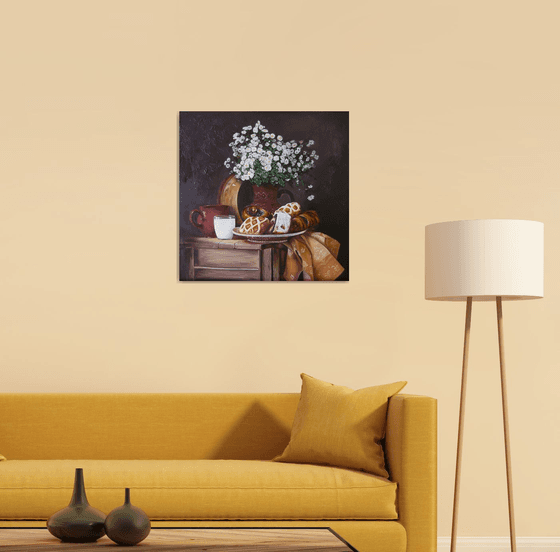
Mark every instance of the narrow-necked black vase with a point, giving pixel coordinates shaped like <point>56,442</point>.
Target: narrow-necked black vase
<point>78,522</point>
<point>127,524</point>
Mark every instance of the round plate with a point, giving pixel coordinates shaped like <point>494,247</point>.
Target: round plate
<point>266,238</point>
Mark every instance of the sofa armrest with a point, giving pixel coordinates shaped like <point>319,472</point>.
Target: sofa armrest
<point>411,456</point>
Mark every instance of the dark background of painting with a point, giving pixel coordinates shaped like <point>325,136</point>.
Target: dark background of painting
<point>204,139</point>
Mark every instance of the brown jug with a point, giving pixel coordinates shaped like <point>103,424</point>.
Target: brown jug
<point>203,218</point>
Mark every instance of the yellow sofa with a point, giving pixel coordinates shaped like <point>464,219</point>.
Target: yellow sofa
<point>204,460</point>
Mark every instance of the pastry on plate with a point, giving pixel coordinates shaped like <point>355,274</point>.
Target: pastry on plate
<point>280,223</point>
<point>306,220</point>
<point>293,209</point>
<point>254,211</point>
<point>255,225</point>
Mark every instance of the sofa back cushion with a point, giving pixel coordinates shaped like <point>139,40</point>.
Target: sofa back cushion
<point>142,426</point>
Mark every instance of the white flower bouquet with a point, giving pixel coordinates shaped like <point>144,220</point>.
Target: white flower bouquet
<point>265,158</point>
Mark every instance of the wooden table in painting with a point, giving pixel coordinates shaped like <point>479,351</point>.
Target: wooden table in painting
<point>214,259</point>
<point>163,540</point>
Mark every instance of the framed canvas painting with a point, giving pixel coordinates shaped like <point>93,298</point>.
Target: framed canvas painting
<point>264,196</point>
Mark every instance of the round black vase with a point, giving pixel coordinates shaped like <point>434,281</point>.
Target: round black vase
<point>127,524</point>
<point>78,522</point>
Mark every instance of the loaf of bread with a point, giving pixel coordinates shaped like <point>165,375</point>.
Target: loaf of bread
<point>255,225</point>
<point>306,220</point>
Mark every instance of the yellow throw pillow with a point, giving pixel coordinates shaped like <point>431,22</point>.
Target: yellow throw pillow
<point>341,427</point>
<point>2,458</point>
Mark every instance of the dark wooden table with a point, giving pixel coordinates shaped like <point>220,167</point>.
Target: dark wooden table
<point>214,259</point>
<point>193,539</point>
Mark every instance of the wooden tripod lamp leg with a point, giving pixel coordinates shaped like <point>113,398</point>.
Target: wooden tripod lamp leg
<point>461,423</point>
<point>506,424</point>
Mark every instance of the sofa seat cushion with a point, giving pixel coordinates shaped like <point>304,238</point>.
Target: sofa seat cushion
<point>198,489</point>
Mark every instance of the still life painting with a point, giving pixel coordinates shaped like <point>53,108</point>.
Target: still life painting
<point>264,196</point>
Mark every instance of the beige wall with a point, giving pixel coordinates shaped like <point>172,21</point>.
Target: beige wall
<point>455,114</point>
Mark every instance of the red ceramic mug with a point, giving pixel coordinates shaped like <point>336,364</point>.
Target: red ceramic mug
<point>203,218</point>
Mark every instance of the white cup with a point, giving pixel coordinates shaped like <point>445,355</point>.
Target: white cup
<point>223,226</point>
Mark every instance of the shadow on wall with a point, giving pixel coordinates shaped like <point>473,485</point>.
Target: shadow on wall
<point>257,435</point>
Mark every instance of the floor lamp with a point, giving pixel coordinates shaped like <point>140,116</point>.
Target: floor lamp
<point>484,260</point>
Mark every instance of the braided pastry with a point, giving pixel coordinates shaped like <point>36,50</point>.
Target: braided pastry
<point>254,211</point>
<point>306,220</point>
<point>255,225</point>
<point>293,209</point>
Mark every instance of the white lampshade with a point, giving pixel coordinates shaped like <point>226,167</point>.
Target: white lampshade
<point>484,259</point>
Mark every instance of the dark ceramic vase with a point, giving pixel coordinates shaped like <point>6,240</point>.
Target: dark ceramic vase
<point>127,524</point>
<point>78,522</point>
<point>266,197</point>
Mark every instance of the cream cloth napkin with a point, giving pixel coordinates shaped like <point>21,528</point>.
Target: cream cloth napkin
<point>314,254</point>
